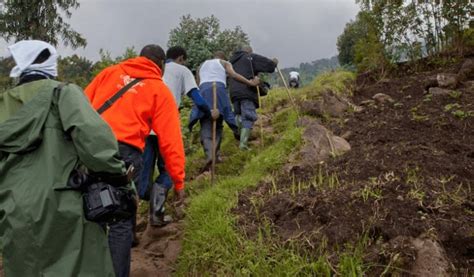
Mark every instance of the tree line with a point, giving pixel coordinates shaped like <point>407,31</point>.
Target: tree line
<point>46,20</point>
<point>386,32</point>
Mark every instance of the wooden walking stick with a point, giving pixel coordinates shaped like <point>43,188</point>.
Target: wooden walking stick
<point>214,133</point>
<point>287,90</point>
<point>259,102</point>
<point>261,122</point>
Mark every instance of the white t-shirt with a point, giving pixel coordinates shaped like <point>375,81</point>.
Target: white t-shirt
<point>179,79</point>
<point>294,75</point>
<point>212,71</point>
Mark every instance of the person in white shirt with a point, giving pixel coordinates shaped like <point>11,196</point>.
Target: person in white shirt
<point>216,71</point>
<point>294,79</point>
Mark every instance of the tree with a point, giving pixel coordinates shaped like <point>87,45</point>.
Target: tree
<point>40,19</point>
<point>202,36</point>
<point>106,59</point>
<point>75,69</point>
<point>6,65</point>
<point>353,32</point>
<point>407,27</point>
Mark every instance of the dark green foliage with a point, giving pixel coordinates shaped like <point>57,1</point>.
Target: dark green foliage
<point>387,32</point>
<point>75,69</point>
<point>201,37</point>
<point>106,59</point>
<point>6,65</point>
<point>354,32</point>
<point>40,19</point>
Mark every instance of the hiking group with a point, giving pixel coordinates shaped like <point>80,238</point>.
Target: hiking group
<point>74,163</point>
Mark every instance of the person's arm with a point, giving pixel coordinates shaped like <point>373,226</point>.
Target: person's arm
<point>166,125</point>
<point>93,139</point>
<point>199,101</point>
<point>231,72</point>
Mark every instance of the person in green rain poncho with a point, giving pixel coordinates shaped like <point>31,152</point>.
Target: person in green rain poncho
<point>46,133</point>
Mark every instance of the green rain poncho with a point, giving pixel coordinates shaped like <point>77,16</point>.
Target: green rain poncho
<point>43,231</point>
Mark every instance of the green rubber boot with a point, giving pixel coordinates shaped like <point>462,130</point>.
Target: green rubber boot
<point>244,138</point>
<point>239,122</point>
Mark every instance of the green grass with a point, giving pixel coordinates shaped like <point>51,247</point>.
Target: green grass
<point>338,81</point>
<point>213,244</point>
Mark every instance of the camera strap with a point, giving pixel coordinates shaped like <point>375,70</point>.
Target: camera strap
<point>107,104</point>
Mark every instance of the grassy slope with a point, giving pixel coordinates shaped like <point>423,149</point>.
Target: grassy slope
<point>212,243</point>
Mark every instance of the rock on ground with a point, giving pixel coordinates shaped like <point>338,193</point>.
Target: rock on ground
<point>440,91</point>
<point>320,143</point>
<point>430,258</point>
<point>447,80</point>
<point>383,98</point>
<point>328,103</point>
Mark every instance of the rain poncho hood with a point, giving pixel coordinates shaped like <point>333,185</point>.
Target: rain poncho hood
<point>44,135</point>
<point>26,51</point>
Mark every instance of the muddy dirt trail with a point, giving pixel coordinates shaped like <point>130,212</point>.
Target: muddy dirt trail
<point>158,250</point>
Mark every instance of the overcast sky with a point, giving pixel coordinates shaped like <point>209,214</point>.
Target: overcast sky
<point>292,30</point>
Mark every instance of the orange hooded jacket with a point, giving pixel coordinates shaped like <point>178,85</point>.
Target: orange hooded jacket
<point>147,105</point>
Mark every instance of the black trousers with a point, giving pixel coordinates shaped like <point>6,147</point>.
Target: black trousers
<point>121,232</point>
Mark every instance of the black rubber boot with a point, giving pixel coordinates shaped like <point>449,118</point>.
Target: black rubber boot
<point>157,205</point>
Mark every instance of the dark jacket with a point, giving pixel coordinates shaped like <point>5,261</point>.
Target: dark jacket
<point>248,65</point>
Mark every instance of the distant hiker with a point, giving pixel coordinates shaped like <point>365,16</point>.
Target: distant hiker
<point>294,80</point>
<point>180,80</point>
<point>48,129</point>
<point>216,71</point>
<point>147,105</point>
<point>244,97</point>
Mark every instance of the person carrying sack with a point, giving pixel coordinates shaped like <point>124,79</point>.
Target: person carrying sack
<point>245,98</point>
<point>49,129</point>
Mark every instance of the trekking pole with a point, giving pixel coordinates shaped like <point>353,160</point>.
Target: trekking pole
<point>288,91</point>
<point>214,133</point>
<point>261,122</point>
<point>259,102</point>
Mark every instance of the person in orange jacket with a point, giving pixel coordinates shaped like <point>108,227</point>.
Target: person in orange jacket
<point>147,105</point>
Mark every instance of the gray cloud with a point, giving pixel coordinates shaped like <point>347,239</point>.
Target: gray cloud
<point>292,30</point>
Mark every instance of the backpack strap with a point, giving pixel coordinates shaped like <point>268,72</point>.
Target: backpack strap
<point>109,102</point>
<point>58,89</point>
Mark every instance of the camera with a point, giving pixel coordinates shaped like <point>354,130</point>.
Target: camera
<point>104,202</point>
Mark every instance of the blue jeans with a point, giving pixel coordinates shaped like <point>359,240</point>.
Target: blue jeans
<point>206,136</point>
<point>247,111</point>
<point>152,155</point>
<point>121,232</point>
